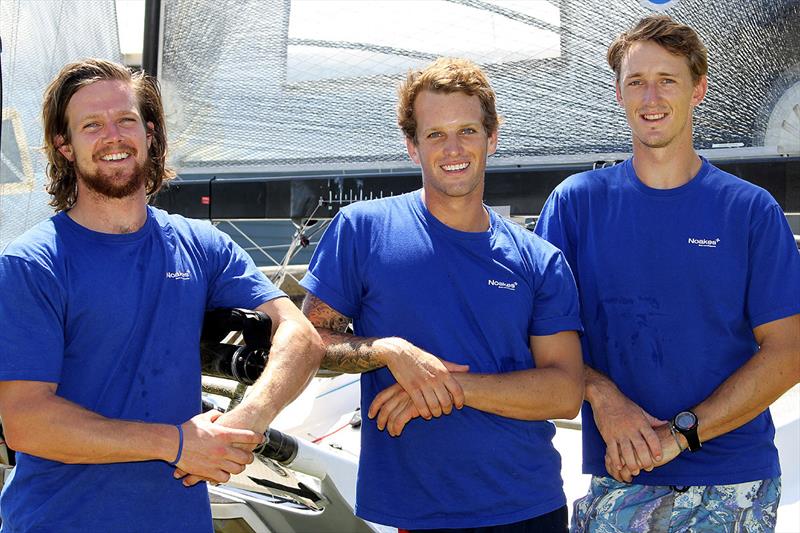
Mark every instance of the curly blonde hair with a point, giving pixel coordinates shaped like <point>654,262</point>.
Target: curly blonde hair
<point>62,180</point>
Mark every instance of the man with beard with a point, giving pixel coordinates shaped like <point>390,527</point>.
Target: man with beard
<point>689,280</point>
<point>101,311</point>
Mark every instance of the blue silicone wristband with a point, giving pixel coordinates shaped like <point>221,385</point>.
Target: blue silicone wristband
<point>180,445</point>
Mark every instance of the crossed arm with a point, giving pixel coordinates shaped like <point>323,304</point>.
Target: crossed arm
<point>636,441</point>
<point>552,390</point>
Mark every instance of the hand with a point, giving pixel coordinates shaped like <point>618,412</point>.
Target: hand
<point>632,444</point>
<point>243,417</point>
<point>212,451</point>
<point>669,444</point>
<point>669,451</point>
<point>424,376</point>
<point>394,409</point>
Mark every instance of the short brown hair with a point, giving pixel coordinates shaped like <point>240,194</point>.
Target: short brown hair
<point>679,39</point>
<point>447,75</point>
<point>62,183</point>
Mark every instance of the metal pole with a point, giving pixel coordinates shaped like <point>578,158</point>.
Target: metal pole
<point>152,36</point>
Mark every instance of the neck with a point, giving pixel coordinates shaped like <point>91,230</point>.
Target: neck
<point>464,213</point>
<point>109,215</point>
<point>665,168</point>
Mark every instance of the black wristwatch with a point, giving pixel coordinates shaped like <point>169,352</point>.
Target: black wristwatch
<point>685,423</point>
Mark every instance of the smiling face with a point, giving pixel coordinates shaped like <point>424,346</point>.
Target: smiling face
<point>108,139</point>
<point>452,144</point>
<point>659,95</point>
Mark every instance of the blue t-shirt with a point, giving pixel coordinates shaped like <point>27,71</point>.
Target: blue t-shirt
<point>471,298</point>
<point>115,321</point>
<point>672,283</point>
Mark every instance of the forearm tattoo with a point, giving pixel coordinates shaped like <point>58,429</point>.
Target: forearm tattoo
<point>344,352</point>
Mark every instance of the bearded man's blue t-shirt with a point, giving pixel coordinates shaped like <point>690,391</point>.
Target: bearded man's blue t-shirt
<point>672,283</point>
<point>115,321</point>
<point>469,298</point>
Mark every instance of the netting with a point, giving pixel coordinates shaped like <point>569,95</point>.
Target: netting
<point>312,83</point>
<point>38,39</point>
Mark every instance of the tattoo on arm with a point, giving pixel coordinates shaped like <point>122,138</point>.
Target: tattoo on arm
<point>343,352</point>
<point>322,315</point>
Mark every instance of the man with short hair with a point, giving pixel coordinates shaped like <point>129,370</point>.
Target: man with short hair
<point>101,311</point>
<point>689,280</point>
<point>451,306</point>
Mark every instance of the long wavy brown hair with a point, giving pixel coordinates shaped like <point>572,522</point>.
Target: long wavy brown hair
<point>62,180</point>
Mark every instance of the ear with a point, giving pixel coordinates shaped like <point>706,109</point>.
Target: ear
<point>64,148</point>
<point>150,128</point>
<point>491,147</point>
<point>618,93</point>
<point>411,147</point>
<point>699,91</point>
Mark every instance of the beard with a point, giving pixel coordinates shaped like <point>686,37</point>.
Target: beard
<point>118,184</point>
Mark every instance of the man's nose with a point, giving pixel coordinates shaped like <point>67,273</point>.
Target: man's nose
<point>111,132</point>
<point>452,145</point>
<point>651,93</point>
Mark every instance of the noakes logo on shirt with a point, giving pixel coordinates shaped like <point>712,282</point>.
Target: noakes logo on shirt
<point>179,275</point>
<point>704,243</point>
<point>503,285</point>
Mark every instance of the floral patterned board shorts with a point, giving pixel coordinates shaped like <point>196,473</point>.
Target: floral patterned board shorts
<point>614,507</point>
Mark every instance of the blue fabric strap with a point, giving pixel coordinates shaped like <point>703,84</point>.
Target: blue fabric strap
<point>180,445</point>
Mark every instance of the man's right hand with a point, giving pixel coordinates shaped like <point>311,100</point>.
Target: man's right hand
<point>628,430</point>
<point>424,376</point>
<point>213,451</point>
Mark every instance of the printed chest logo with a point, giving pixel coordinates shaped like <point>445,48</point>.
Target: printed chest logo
<point>179,275</point>
<point>503,285</point>
<point>704,243</point>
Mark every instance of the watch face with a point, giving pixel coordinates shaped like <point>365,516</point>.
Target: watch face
<point>685,420</point>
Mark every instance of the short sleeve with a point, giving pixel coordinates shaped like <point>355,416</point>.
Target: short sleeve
<point>335,272</point>
<point>555,306</point>
<point>773,290</point>
<point>32,308</point>
<point>234,279</point>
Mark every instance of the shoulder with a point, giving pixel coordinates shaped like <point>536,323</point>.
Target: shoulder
<point>35,258</point>
<point>41,244</point>
<point>535,249</point>
<point>193,230</point>
<point>180,223</point>
<point>372,217</point>
<point>739,194</point>
<point>589,181</point>
<point>731,184</point>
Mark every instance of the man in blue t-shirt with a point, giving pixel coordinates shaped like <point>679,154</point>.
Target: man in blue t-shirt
<point>101,311</point>
<point>689,281</point>
<point>452,306</point>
